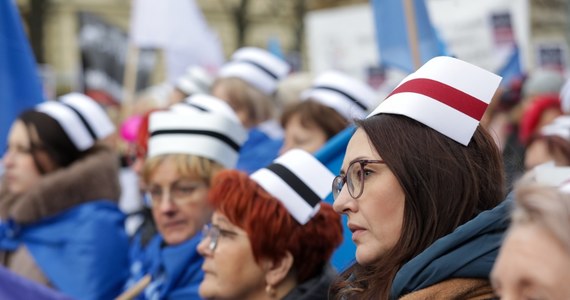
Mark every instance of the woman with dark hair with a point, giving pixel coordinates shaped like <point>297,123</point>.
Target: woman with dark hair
<point>59,220</point>
<point>329,106</point>
<point>421,185</point>
<point>271,237</point>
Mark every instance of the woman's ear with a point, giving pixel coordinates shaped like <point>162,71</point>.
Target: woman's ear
<point>277,271</point>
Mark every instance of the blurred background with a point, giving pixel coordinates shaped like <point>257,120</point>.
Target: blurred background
<point>90,43</point>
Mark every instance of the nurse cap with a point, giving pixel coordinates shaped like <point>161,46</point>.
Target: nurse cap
<point>83,120</point>
<point>257,67</point>
<point>299,181</point>
<point>204,134</point>
<point>446,94</point>
<point>351,98</point>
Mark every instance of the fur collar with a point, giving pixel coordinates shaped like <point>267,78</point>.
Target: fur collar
<point>93,177</point>
<point>456,288</point>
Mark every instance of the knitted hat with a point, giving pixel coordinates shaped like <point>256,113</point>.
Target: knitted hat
<point>542,81</point>
<point>532,115</point>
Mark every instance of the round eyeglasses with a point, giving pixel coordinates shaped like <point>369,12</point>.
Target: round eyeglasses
<point>354,178</point>
<point>213,233</point>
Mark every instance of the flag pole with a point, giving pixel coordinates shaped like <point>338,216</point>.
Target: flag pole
<point>412,27</point>
<point>130,80</point>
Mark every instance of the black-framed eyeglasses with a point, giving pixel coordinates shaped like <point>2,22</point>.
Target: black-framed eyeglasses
<point>354,178</point>
<point>213,233</point>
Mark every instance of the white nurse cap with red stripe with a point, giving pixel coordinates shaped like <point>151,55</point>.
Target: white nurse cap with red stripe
<point>446,94</point>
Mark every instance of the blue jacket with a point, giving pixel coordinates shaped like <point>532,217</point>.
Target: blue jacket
<point>258,151</point>
<point>468,252</point>
<point>176,270</point>
<point>82,251</point>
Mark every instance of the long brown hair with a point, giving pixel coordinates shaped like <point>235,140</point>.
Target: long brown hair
<point>445,185</point>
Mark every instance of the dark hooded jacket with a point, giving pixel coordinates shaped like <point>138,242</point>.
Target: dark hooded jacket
<point>315,288</point>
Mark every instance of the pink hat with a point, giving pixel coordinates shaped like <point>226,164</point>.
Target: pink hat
<point>130,128</point>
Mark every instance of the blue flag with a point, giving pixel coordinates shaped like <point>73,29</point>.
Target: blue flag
<point>512,68</point>
<point>20,86</point>
<point>392,34</point>
<point>331,155</point>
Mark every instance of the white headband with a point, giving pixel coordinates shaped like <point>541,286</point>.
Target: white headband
<point>299,181</point>
<point>257,67</point>
<point>83,120</point>
<point>349,97</point>
<point>204,134</point>
<point>446,94</point>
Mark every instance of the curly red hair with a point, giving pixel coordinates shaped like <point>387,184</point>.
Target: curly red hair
<point>271,229</point>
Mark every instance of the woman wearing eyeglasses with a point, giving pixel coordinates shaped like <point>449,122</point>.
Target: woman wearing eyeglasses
<point>422,185</point>
<point>271,236</point>
<point>185,150</point>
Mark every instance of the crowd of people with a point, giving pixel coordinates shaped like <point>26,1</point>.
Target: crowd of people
<point>230,201</point>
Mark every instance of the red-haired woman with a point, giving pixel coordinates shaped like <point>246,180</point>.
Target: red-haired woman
<point>271,237</point>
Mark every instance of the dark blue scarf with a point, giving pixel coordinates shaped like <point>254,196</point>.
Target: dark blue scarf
<point>468,252</point>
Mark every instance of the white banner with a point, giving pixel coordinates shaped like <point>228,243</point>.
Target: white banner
<point>180,28</point>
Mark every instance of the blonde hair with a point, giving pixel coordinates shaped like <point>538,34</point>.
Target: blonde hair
<point>187,166</point>
<point>259,106</point>
<point>545,206</point>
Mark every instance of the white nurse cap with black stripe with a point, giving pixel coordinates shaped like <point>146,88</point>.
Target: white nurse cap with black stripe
<point>257,67</point>
<point>299,181</point>
<point>204,134</point>
<point>350,97</point>
<point>205,103</point>
<point>83,120</point>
